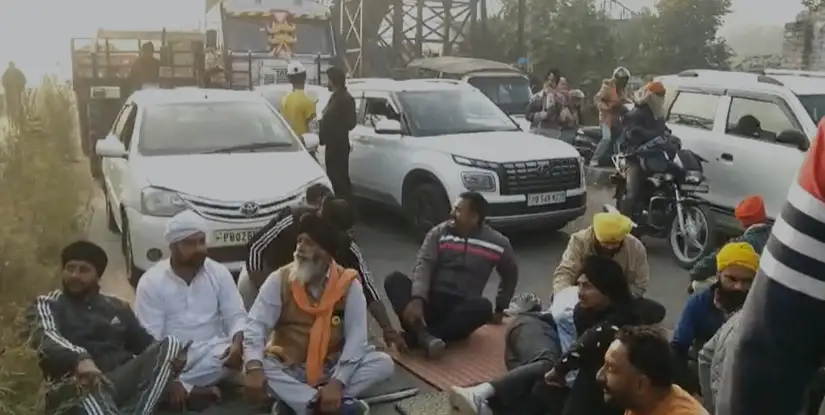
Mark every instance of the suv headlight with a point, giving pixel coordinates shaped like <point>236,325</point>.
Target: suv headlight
<point>160,202</point>
<point>478,181</point>
<point>481,164</point>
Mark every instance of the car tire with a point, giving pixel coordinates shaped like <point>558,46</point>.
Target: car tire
<point>425,206</point>
<point>133,273</point>
<point>110,214</point>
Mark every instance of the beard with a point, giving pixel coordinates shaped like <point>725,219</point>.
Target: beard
<point>606,252</point>
<point>731,300</point>
<point>307,269</point>
<point>194,261</point>
<point>73,288</point>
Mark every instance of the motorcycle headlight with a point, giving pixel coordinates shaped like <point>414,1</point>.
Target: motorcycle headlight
<point>160,202</point>
<point>478,181</point>
<point>694,177</point>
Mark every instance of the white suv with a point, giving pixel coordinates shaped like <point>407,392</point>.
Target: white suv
<point>733,120</point>
<point>227,155</point>
<point>421,143</point>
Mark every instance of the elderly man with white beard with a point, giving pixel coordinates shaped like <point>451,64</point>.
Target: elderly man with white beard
<point>194,299</point>
<point>318,359</point>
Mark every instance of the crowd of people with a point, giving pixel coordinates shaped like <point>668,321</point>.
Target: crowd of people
<point>296,325</point>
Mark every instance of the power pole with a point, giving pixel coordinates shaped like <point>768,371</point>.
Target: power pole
<point>520,43</point>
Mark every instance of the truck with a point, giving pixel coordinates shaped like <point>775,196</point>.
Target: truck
<point>101,69</point>
<point>250,42</point>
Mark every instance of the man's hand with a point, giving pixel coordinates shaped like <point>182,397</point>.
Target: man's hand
<point>177,395</point>
<point>233,356</point>
<point>395,339</point>
<point>414,312</point>
<point>551,378</point>
<point>329,397</point>
<point>498,317</point>
<point>88,374</point>
<point>254,382</point>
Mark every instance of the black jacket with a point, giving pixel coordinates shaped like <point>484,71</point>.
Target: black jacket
<point>338,119</point>
<point>641,126</point>
<point>65,331</point>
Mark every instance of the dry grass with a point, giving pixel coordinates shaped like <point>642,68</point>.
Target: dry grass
<point>44,191</point>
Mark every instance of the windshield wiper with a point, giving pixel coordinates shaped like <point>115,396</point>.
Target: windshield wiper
<point>248,146</point>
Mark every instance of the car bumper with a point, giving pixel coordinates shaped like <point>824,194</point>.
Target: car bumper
<point>147,237</point>
<point>519,215</point>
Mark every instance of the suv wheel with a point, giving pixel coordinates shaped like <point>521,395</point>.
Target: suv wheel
<point>133,273</point>
<point>425,205</point>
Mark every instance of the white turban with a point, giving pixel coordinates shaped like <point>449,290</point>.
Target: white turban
<point>184,225</point>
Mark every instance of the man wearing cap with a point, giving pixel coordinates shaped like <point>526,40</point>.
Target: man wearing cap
<point>194,299</point>
<point>611,100</point>
<point>751,215</point>
<point>706,310</point>
<point>94,340</point>
<point>296,107</point>
<point>274,245</point>
<point>609,237</point>
<point>319,359</point>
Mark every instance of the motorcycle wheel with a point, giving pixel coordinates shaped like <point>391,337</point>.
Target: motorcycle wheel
<point>698,238</point>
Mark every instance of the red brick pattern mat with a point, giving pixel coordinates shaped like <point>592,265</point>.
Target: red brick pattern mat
<point>478,359</point>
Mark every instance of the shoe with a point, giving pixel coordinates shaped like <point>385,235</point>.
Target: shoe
<point>354,407</point>
<point>465,402</point>
<point>523,303</point>
<point>433,346</point>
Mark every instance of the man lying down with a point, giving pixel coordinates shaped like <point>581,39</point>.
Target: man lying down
<point>319,359</point>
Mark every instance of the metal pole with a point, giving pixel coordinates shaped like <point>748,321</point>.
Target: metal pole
<point>520,46</point>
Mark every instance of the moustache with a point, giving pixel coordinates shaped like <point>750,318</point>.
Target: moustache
<point>731,300</point>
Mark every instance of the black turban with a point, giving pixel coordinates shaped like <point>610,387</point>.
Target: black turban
<point>607,276</point>
<point>87,252</point>
<point>321,231</point>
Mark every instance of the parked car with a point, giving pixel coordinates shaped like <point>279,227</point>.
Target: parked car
<point>275,93</point>
<point>753,130</point>
<point>224,154</point>
<point>420,143</point>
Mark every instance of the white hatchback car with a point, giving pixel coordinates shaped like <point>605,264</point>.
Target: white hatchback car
<point>752,129</point>
<point>227,155</point>
<point>420,143</point>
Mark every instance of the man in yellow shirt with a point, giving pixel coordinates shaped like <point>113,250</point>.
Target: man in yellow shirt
<point>297,108</point>
<point>638,375</point>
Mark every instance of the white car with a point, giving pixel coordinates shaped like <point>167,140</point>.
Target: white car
<point>227,155</point>
<point>713,113</point>
<point>275,93</point>
<point>420,143</point>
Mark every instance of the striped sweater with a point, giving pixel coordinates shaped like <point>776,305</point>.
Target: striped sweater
<point>780,340</point>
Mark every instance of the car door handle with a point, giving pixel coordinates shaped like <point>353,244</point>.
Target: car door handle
<point>726,157</point>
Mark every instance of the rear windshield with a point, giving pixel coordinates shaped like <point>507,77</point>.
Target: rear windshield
<point>510,93</point>
<point>814,105</point>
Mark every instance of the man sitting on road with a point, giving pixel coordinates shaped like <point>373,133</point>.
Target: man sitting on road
<point>706,310</point>
<point>610,237</point>
<point>443,302</point>
<point>637,375</point>
<point>319,358</point>
<point>273,246</point>
<point>194,299</point>
<point>95,341</point>
<point>751,215</point>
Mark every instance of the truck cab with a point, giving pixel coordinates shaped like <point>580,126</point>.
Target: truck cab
<point>253,40</point>
<point>504,84</point>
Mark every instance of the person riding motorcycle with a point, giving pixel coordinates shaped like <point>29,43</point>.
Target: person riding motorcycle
<point>645,122</point>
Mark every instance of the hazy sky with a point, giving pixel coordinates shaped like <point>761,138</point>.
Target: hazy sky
<point>36,33</point>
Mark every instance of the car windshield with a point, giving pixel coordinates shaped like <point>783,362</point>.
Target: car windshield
<point>213,128</point>
<point>510,93</point>
<point>814,104</point>
<point>453,111</point>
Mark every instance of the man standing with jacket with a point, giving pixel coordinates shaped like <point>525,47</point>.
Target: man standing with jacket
<point>337,121</point>
<point>610,101</point>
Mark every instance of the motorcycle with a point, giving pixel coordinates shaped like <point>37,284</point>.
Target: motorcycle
<point>668,206</point>
<point>587,138</point>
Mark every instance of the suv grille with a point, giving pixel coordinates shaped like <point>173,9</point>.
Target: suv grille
<point>539,176</point>
<point>238,211</point>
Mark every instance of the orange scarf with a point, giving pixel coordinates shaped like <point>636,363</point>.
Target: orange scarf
<point>320,332</point>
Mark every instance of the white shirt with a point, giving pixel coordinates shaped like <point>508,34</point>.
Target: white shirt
<point>209,308</point>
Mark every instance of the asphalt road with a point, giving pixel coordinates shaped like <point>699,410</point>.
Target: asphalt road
<point>386,248</point>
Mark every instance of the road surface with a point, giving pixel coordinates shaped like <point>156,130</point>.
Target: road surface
<point>386,248</point>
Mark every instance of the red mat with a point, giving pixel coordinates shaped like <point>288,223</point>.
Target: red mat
<point>478,359</point>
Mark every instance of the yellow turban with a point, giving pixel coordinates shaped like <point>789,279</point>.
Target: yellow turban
<point>737,253</point>
<point>611,227</point>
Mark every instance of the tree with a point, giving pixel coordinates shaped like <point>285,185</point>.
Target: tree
<point>684,36</point>
<point>813,5</point>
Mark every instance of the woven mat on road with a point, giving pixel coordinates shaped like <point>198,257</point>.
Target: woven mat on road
<point>435,403</point>
<point>478,359</point>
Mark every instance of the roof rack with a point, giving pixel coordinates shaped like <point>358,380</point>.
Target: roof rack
<point>765,79</point>
<point>794,72</point>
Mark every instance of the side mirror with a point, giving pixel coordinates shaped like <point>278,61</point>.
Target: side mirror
<point>388,127</point>
<point>211,39</point>
<point>110,147</point>
<point>311,141</point>
<point>794,138</point>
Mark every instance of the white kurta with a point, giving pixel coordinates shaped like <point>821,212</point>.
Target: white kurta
<point>208,312</point>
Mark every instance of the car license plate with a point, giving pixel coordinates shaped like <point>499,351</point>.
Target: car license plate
<point>699,188</point>
<point>233,237</point>
<point>541,199</point>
